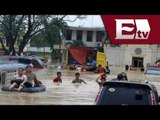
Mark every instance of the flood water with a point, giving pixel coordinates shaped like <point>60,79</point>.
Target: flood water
<point>67,93</point>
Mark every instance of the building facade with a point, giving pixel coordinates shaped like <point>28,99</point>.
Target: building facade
<point>136,55</point>
<point>118,55</point>
<point>91,37</point>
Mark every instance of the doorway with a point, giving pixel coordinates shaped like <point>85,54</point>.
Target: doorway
<point>137,62</point>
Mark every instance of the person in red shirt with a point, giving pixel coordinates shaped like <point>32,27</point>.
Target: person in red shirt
<point>58,78</point>
<point>100,69</point>
<point>102,78</point>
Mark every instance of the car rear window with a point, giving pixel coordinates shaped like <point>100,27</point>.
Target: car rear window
<point>153,70</point>
<point>124,95</point>
<point>24,60</point>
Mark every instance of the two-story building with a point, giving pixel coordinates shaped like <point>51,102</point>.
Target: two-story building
<point>136,55</point>
<point>90,36</point>
<point>117,55</point>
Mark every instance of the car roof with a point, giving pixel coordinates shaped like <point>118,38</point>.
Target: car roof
<point>153,68</point>
<point>136,84</point>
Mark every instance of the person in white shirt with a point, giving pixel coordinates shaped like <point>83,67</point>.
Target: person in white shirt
<point>20,78</point>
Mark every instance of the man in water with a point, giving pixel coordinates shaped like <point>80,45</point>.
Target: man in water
<point>77,79</point>
<point>121,77</point>
<point>58,78</point>
<point>100,69</point>
<point>19,79</point>
<point>31,81</point>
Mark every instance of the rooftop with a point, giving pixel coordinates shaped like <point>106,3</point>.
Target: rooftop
<point>87,28</point>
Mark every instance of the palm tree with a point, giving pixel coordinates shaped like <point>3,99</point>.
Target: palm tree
<point>75,43</point>
<point>54,33</point>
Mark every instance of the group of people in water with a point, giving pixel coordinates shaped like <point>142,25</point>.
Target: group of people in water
<point>21,80</point>
<point>76,80</point>
<point>29,79</point>
<point>100,80</point>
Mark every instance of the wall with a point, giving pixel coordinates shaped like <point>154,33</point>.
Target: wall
<point>120,56</point>
<point>93,43</point>
<point>130,52</point>
<point>113,56</point>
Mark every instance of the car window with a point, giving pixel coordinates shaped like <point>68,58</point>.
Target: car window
<point>124,96</point>
<point>24,60</point>
<point>153,71</point>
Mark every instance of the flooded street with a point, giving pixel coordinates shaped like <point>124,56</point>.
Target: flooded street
<point>68,93</point>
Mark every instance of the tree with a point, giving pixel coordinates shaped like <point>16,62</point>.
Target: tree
<point>55,31</point>
<point>13,26</point>
<point>10,26</point>
<point>75,43</point>
<point>1,41</point>
<point>33,26</point>
<point>27,26</point>
<point>39,40</point>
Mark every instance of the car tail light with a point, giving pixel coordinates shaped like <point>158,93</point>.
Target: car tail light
<point>153,98</point>
<point>98,95</point>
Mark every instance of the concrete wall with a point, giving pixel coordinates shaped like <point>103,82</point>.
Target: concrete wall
<point>113,56</point>
<point>40,49</point>
<point>93,43</point>
<point>158,54</point>
<point>130,52</point>
<point>120,56</point>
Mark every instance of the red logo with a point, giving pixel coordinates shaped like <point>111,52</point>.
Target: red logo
<point>132,29</point>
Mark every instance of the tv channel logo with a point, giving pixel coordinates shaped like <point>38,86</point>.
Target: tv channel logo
<point>132,29</point>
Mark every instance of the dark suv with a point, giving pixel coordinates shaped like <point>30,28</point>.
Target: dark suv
<point>127,93</point>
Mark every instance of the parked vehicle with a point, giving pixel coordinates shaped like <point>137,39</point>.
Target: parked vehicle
<point>152,70</point>
<point>77,56</point>
<point>35,61</point>
<point>127,93</point>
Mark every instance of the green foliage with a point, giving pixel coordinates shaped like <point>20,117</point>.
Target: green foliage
<point>55,54</point>
<point>39,40</point>
<point>55,30</point>
<point>41,29</point>
<point>75,43</point>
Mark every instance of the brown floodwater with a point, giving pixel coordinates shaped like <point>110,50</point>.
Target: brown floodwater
<point>67,93</point>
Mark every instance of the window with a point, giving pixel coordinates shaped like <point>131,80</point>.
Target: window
<point>79,34</point>
<point>69,35</point>
<point>99,36</point>
<point>153,72</point>
<point>133,94</point>
<point>89,36</point>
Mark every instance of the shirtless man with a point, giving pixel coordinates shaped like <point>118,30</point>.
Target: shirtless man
<point>20,78</point>
<point>77,79</point>
<point>31,81</point>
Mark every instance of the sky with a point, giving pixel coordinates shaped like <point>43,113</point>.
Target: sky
<point>90,21</point>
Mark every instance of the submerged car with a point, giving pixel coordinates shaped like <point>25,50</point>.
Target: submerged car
<point>127,93</point>
<point>152,70</point>
<point>25,60</point>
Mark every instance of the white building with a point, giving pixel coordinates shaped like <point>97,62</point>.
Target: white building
<point>91,37</point>
<point>136,55</point>
<point>88,35</point>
